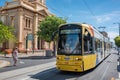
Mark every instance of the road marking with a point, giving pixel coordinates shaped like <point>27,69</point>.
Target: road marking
<point>26,78</point>
<point>106,70</point>
<point>118,63</point>
<point>100,66</point>
<point>119,74</point>
<point>22,62</point>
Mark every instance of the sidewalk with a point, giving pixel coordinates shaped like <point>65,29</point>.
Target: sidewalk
<point>4,63</point>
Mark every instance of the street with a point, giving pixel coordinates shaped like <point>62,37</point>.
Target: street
<point>107,70</point>
<point>26,62</point>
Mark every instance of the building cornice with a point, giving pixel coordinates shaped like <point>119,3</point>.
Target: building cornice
<point>23,4</point>
<point>40,4</point>
<point>36,12</point>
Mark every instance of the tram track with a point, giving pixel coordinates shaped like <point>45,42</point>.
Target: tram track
<point>26,71</point>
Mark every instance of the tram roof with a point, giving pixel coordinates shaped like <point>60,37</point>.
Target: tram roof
<point>82,24</point>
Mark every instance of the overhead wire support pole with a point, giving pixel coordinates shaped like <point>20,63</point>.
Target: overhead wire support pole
<point>119,27</point>
<point>103,27</point>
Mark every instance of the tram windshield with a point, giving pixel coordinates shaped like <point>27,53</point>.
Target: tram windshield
<point>69,41</point>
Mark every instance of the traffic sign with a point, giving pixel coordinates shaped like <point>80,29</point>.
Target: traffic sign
<point>30,37</point>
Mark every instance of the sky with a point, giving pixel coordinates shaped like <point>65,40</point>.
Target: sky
<point>98,13</point>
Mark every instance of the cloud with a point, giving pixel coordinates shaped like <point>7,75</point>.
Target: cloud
<point>107,17</point>
<point>112,35</point>
<point>101,19</point>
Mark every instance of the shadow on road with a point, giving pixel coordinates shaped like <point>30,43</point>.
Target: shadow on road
<point>54,74</point>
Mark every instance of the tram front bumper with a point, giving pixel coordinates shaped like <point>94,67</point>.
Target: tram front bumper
<point>74,68</point>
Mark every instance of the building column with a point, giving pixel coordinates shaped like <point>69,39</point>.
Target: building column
<point>35,30</point>
<point>20,26</point>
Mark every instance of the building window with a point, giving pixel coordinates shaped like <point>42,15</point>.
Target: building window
<point>12,20</point>
<point>3,19</point>
<point>28,23</point>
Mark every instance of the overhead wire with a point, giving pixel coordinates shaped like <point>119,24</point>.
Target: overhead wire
<point>88,8</point>
<point>55,10</point>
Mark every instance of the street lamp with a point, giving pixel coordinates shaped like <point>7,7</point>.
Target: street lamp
<point>33,44</point>
<point>119,27</point>
<point>26,42</point>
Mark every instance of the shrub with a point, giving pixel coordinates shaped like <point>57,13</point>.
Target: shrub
<point>8,51</point>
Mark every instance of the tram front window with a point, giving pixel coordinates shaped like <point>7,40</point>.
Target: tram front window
<point>69,43</point>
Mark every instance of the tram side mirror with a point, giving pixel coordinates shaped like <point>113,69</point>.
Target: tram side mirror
<point>53,35</point>
<point>85,37</point>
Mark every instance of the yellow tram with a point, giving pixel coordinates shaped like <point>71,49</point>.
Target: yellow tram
<point>80,47</point>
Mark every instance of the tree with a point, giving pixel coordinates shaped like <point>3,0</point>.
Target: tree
<point>6,33</point>
<point>117,41</point>
<point>48,26</point>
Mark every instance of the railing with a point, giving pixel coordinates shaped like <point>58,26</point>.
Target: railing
<point>41,52</point>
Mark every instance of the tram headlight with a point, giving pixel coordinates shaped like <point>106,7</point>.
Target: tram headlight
<point>58,58</point>
<point>77,59</point>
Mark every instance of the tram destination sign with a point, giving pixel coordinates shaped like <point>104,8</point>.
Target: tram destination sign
<point>70,31</point>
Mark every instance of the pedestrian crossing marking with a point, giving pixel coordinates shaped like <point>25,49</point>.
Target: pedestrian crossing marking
<point>22,62</point>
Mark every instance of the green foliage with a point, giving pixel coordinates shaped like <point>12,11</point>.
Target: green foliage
<point>117,41</point>
<point>48,26</point>
<point>6,33</point>
<point>3,52</point>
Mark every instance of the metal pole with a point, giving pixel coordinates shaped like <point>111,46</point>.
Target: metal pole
<point>119,28</point>
<point>26,42</point>
<point>33,43</point>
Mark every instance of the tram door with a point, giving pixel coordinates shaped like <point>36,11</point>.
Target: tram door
<point>89,56</point>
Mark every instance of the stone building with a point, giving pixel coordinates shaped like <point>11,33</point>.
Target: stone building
<point>24,16</point>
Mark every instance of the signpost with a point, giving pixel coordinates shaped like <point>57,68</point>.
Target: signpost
<point>30,37</point>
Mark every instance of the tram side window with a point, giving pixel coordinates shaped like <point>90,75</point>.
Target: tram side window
<point>97,45</point>
<point>88,47</point>
<point>105,47</point>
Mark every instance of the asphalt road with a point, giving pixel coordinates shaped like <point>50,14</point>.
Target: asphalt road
<point>26,62</point>
<point>107,70</point>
